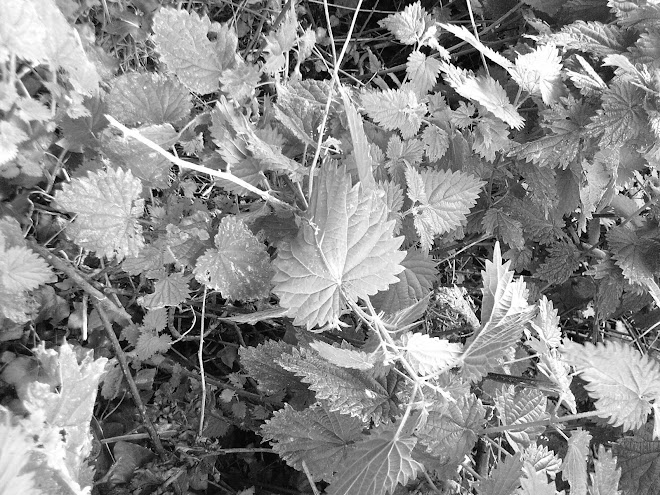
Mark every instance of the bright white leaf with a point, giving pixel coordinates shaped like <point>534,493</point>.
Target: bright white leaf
<point>22,269</point>
<point>463,33</point>
<point>422,71</point>
<point>344,356</point>
<point>395,109</point>
<point>429,355</point>
<point>410,25</point>
<point>539,73</point>
<point>344,251</point>
<point>484,90</point>
<point>574,466</point>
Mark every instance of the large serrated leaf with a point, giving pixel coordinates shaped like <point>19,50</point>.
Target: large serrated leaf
<point>377,465</point>
<point>623,381</point>
<point>348,391</point>
<point>108,208</point>
<point>317,436</point>
<point>344,251</point>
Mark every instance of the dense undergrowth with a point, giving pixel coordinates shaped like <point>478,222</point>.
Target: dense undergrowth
<point>353,248</point>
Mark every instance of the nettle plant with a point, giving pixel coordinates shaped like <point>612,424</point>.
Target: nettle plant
<point>331,205</point>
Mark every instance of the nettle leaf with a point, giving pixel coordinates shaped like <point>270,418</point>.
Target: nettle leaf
<point>436,142</point>
<point>567,129</point>
<point>260,362</point>
<point>450,430</point>
<point>360,143</point>
<point>408,26</point>
<point>414,283</point>
<point>638,456</point>
<point>504,313</point>
<point>542,459</point>
<point>491,136</point>
<point>546,323</point>
<point>108,206</point>
<point>606,475</point>
<point>504,479</point>
<point>484,90</point>
<point>60,418</point>
<point>428,355</point>
<point>319,437</point>
<point>279,43</point>
<point>623,381</point>
<point>240,266</point>
<point>635,254</point>
<point>592,37</point>
<point>170,291</point>
<point>519,407</point>
<point>395,109</point>
<point>148,98</point>
<point>463,33</point>
<point>562,261</point>
<point>535,483</point>
<point>422,71</point>
<point>539,73</point>
<point>181,38</point>
<point>344,251</point>
<point>622,116</point>
<point>575,461</point>
<point>21,268</point>
<point>446,200</point>
<point>509,229</point>
<point>348,391</point>
<point>377,465</point>
<point>149,344</point>
<point>240,81</point>
<point>345,356</point>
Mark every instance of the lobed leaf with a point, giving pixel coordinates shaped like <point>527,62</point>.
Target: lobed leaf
<point>344,250</point>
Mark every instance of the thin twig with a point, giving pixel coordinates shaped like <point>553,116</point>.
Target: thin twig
<point>132,387</point>
<point>118,313</point>
<point>200,359</point>
<point>331,92</point>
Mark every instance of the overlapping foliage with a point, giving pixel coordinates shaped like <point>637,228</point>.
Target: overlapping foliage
<point>327,209</point>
